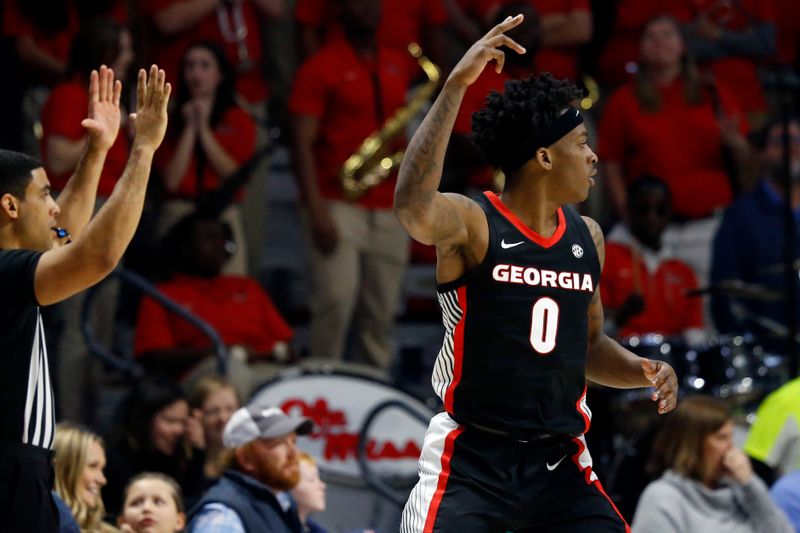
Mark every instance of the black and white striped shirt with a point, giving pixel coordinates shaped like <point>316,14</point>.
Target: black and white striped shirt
<point>27,414</point>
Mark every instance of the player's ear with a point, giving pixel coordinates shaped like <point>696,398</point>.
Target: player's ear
<point>544,157</point>
<point>9,204</point>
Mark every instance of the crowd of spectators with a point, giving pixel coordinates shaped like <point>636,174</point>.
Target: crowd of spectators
<point>683,102</point>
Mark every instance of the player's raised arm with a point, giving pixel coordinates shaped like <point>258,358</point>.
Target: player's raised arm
<point>66,270</point>
<point>429,216</point>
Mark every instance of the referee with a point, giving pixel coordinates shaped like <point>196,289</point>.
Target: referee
<point>37,268</point>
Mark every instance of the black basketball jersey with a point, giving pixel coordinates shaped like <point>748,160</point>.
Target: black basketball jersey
<point>514,353</point>
<point>28,414</point>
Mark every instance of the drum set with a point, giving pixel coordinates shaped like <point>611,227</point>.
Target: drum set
<point>738,369</point>
<point>730,367</point>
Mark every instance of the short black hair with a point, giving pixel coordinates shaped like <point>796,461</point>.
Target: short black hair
<point>16,172</point>
<point>506,128</point>
<point>646,182</point>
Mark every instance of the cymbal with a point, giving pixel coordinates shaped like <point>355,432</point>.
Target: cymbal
<point>739,289</point>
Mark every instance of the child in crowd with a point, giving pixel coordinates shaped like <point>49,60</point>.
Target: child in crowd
<point>309,493</point>
<point>153,504</point>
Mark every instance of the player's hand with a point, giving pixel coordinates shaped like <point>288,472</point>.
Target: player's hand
<point>665,382</point>
<point>487,49</point>
<point>152,97</point>
<point>103,120</point>
<point>738,465</point>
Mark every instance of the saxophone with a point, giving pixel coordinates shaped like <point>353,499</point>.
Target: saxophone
<point>371,164</point>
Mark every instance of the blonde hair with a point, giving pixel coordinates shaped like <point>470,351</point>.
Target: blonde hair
<point>680,442</point>
<point>207,386</point>
<point>174,488</point>
<point>71,450</point>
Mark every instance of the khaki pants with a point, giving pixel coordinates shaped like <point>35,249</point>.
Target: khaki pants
<point>254,202</point>
<point>358,285</point>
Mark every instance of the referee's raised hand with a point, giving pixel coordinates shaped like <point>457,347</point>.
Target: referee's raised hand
<point>486,49</point>
<point>152,97</point>
<point>102,121</point>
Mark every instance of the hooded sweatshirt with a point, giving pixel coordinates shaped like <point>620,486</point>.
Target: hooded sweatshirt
<point>677,504</point>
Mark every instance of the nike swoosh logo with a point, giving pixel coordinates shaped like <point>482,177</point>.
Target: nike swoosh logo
<point>505,245</point>
<point>553,467</point>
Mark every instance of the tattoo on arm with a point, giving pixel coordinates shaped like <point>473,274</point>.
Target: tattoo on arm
<point>425,155</point>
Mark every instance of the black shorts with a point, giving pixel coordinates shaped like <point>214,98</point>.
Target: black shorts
<point>26,482</point>
<point>472,481</point>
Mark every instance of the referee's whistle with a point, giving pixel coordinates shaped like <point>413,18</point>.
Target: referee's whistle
<point>62,233</point>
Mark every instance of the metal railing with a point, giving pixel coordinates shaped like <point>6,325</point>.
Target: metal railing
<point>370,478</point>
<point>127,365</point>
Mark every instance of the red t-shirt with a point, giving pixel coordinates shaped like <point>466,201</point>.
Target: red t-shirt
<point>624,43</point>
<point>679,143</point>
<point>737,72</point>
<point>57,44</point>
<point>236,133</point>
<point>337,87</point>
<point>237,307</point>
<point>168,50</point>
<point>668,310</point>
<point>560,62</point>
<point>62,114</point>
<point>401,20</point>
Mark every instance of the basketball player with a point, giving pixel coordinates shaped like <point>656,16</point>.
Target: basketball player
<point>38,267</point>
<point>518,282</point>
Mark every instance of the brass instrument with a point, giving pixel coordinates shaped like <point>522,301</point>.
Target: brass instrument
<point>593,93</point>
<point>371,164</point>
